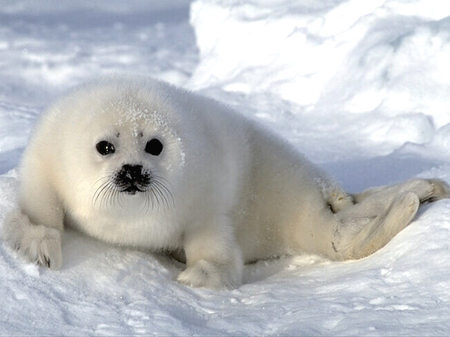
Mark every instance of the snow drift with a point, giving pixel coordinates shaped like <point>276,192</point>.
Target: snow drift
<point>384,60</point>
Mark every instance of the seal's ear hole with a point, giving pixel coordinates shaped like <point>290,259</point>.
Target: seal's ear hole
<point>104,148</point>
<point>154,147</point>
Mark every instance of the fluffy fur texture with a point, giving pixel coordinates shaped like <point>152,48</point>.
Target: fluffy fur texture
<point>223,191</point>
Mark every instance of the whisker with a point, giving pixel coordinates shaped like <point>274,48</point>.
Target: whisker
<point>117,197</point>
<point>157,193</point>
<point>102,178</point>
<point>100,191</point>
<point>110,194</point>
<point>151,200</point>
<point>161,194</point>
<point>146,204</point>
<point>165,191</point>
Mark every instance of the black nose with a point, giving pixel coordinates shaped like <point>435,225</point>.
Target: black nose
<point>131,173</point>
<point>132,179</point>
<point>132,169</point>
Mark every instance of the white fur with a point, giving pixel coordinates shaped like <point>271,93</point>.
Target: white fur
<point>237,192</point>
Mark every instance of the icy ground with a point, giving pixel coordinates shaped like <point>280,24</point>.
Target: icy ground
<point>361,87</point>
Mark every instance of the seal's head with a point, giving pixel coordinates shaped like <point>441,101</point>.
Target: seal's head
<point>129,152</point>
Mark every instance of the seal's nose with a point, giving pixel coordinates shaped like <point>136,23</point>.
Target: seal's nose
<point>132,179</point>
<point>132,172</point>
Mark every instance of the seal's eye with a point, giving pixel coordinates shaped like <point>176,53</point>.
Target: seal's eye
<point>105,148</point>
<point>154,147</point>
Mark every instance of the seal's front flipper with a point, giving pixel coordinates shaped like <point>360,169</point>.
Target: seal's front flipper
<point>37,243</point>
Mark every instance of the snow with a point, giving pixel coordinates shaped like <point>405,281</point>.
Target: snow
<point>378,65</point>
<point>360,87</point>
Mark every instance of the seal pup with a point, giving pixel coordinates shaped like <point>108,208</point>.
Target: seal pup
<point>140,163</point>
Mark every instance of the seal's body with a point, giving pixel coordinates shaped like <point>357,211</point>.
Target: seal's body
<point>144,164</point>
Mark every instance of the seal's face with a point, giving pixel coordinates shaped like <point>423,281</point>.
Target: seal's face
<point>132,178</point>
<point>134,157</point>
<point>139,179</point>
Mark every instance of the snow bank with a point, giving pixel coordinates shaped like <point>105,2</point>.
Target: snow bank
<point>342,59</point>
<point>393,54</point>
